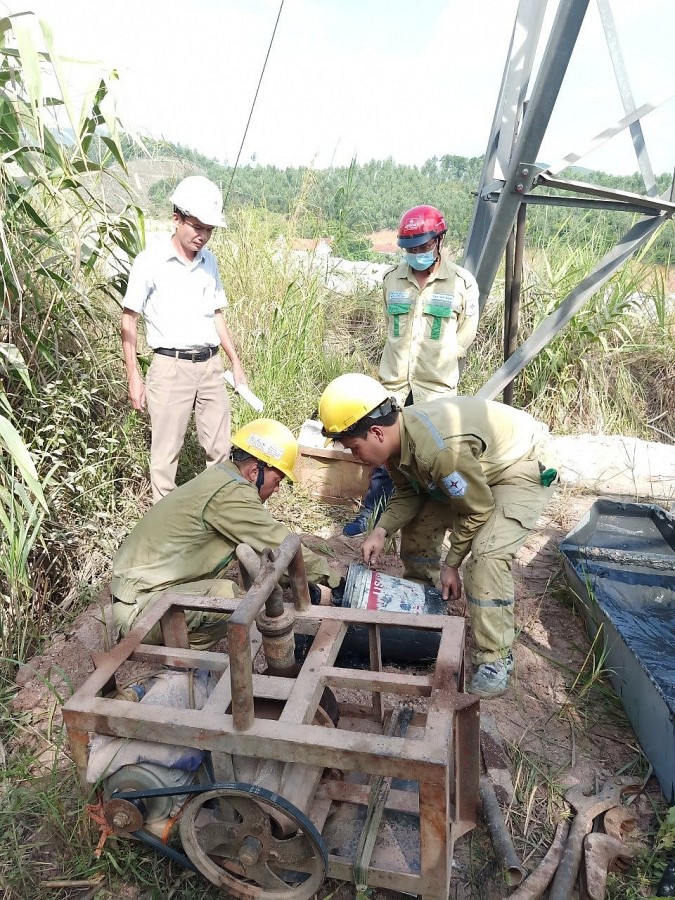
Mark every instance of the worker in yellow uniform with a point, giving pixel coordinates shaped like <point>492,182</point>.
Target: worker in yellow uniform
<point>477,468</point>
<point>187,540</point>
<point>431,311</point>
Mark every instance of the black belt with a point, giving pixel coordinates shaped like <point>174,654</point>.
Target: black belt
<point>192,355</point>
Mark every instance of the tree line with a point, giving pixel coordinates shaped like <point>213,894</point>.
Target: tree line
<point>351,202</point>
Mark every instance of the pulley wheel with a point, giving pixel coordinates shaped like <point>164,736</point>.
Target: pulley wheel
<point>124,815</point>
<point>231,836</point>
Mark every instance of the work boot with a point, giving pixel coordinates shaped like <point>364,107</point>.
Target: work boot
<point>492,678</point>
<point>379,491</point>
<point>358,526</point>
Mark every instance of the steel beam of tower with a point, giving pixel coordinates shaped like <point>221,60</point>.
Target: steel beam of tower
<point>508,114</point>
<point>621,76</point>
<point>561,42</point>
<point>637,237</point>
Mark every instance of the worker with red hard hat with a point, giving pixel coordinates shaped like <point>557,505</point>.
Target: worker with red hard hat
<point>431,310</point>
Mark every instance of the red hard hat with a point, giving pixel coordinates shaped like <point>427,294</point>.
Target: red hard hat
<point>420,224</point>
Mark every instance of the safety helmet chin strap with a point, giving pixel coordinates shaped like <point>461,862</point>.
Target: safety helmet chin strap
<point>438,253</point>
<point>260,477</point>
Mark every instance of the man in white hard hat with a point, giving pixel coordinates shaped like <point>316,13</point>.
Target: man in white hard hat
<point>176,287</point>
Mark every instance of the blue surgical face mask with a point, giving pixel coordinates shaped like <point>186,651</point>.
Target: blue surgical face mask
<point>421,261</point>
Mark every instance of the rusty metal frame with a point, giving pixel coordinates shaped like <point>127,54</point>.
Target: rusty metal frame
<point>441,754</point>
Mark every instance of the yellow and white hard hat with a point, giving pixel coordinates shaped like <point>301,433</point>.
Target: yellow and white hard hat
<point>271,443</point>
<point>349,398</point>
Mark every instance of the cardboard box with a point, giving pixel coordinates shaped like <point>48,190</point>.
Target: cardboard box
<point>328,469</point>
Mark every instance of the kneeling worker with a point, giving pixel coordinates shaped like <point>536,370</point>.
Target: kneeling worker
<point>470,466</point>
<point>186,541</point>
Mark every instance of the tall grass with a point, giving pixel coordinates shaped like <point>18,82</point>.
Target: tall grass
<point>293,334</point>
<point>63,251</point>
<point>610,370</point>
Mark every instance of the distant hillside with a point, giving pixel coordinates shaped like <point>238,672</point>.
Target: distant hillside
<point>350,202</point>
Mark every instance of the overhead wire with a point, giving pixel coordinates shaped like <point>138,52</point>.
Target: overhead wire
<point>250,115</point>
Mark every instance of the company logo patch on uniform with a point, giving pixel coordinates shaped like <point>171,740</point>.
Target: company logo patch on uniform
<point>471,307</point>
<point>259,442</point>
<point>455,484</point>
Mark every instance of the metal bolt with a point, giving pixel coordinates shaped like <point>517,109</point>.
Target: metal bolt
<point>520,189</point>
<point>121,820</point>
<point>250,851</point>
<point>524,172</point>
<point>273,854</point>
<point>257,828</point>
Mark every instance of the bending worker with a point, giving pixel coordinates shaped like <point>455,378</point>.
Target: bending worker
<point>186,541</point>
<point>176,287</point>
<point>431,310</point>
<point>459,463</point>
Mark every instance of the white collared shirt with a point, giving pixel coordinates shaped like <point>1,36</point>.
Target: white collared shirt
<point>177,299</point>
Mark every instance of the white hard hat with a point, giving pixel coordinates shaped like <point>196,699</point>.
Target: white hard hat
<point>197,196</point>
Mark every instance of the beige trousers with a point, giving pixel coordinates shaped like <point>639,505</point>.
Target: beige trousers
<point>174,387</point>
<point>488,583</point>
<point>205,628</point>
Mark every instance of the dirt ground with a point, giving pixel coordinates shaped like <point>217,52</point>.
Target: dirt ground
<point>555,732</point>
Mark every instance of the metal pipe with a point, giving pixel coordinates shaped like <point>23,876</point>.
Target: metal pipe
<point>505,852</point>
<point>298,578</point>
<point>274,566</point>
<point>249,564</point>
<point>536,882</point>
<point>249,567</point>
<point>239,630</point>
<point>241,675</point>
<point>508,282</point>
<point>511,334</point>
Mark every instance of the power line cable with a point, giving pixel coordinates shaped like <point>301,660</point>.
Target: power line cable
<point>250,115</point>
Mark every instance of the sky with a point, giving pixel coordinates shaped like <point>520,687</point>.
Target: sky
<point>369,79</point>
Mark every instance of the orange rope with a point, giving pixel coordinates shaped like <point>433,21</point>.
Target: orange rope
<point>170,822</point>
<point>95,813</point>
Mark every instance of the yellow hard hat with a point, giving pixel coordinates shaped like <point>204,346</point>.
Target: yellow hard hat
<point>271,443</point>
<point>349,398</point>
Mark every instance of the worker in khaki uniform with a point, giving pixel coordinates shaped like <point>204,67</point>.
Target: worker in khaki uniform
<point>186,541</point>
<point>431,310</point>
<point>474,467</point>
<point>176,287</point>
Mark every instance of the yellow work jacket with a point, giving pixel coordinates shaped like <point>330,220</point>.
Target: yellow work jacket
<point>192,533</point>
<point>453,449</point>
<point>428,330</point>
